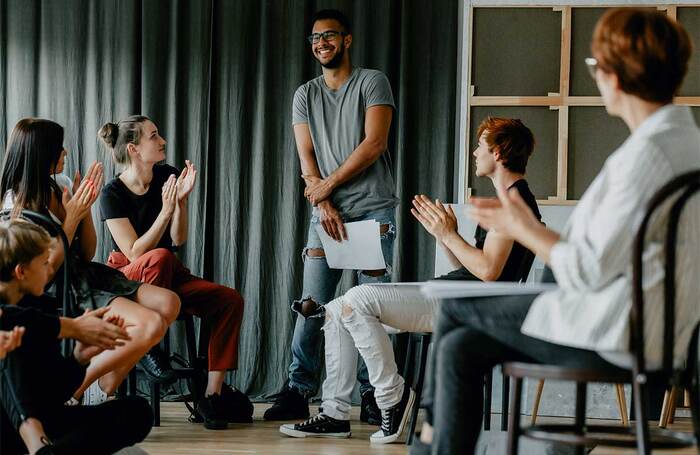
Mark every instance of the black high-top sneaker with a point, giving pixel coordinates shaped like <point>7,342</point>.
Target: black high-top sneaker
<point>289,405</point>
<point>394,419</point>
<point>318,426</point>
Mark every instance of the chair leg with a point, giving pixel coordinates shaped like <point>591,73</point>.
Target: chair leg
<point>580,417</point>
<point>418,388</point>
<point>639,395</point>
<point>694,404</point>
<point>488,390</point>
<point>622,404</point>
<point>672,411</point>
<point>536,403</point>
<point>155,403</point>
<point>504,402</point>
<point>514,427</point>
<point>666,407</point>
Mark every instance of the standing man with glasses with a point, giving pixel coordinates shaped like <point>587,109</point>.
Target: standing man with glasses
<point>341,125</point>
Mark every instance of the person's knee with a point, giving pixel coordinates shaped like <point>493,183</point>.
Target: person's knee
<point>170,303</point>
<point>314,253</point>
<point>154,327</point>
<point>160,258</point>
<point>358,298</point>
<point>374,273</point>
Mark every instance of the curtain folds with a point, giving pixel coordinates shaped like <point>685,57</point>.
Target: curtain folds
<point>217,77</point>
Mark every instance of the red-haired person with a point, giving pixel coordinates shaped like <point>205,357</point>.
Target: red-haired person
<point>640,58</point>
<point>145,209</point>
<point>355,321</point>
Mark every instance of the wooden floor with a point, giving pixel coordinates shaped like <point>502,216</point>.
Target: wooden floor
<point>177,436</point>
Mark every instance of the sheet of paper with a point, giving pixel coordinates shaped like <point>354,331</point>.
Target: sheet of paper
<point>457,289</point>
<point>361,251</point>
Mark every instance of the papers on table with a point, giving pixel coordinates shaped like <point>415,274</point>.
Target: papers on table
<point>361,251</point>
<point>443,289</point>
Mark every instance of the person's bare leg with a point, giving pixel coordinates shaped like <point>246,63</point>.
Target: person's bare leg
<point>163,301</point>
<point>145,327</point>
<point>214,382</point>
<point>32,433</point>
<point>426,433</point>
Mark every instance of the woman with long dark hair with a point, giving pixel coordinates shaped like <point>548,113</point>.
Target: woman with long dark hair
<point>145,209</point>
<point>32,179</point>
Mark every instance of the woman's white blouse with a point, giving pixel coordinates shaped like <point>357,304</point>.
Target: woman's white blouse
<point>592,261</point>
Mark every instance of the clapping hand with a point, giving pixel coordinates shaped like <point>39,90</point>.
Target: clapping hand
<point>169,194</point>
<point>438,219</point>
<point>185,182</point>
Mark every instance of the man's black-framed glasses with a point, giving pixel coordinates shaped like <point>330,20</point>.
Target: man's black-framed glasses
<point>592,65</point>
<point>328,35</point>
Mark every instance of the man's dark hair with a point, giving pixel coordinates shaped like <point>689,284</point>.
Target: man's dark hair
<point>335,15</point>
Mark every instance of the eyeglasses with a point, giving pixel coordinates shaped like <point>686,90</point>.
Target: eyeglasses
<point>328,35</point>
<point>592,65</point>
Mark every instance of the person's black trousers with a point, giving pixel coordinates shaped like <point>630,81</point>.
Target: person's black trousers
<point>472,336</point>
<point>101,429</point>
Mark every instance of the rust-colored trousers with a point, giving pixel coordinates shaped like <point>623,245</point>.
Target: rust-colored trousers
<point>221,307</point>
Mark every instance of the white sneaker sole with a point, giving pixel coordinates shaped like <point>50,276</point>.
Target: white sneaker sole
<point>381,439</point>
<point>290,431</point>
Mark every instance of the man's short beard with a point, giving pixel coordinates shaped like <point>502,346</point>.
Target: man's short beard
<point>337,59</point>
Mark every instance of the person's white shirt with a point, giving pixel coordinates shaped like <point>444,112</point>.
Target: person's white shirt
<point>592,261</point>
<point>63,182</point>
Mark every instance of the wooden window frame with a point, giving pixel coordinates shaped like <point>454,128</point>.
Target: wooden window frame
<point>560,101</point>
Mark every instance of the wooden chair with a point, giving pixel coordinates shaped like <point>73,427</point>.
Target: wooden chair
<point>641,436</point>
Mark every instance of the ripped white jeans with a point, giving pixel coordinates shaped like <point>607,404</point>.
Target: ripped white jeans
<point>356,322</point>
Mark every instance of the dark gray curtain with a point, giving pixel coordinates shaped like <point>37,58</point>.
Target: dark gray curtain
<point>218,78</point>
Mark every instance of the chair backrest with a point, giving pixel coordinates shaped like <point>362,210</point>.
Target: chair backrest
<point>685,186</point>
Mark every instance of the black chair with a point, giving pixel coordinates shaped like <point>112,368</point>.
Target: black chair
<point>416,372</point>
<point>641,436</point>
<point>193,369</point>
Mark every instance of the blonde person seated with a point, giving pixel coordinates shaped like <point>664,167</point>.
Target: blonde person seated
<point>37,379</point>
<point>32,179</point>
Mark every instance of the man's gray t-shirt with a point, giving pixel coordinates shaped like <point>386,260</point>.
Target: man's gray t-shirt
<point>336,120</point>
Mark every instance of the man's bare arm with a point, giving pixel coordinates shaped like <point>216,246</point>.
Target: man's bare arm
<point>377,124</point>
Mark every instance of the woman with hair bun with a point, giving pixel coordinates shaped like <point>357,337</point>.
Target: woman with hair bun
<point>32,179</point>
<point>145,209</point>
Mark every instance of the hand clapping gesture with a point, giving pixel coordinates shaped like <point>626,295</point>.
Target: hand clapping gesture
<point>169,193</point>
<point>185,182</point>
<point>85,192</point>
<point>439,220</point>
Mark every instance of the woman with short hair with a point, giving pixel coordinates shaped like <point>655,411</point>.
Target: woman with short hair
<point>640,58</point>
